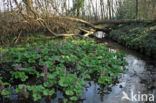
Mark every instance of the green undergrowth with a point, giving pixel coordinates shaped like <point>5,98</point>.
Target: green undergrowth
<point>137,36</point>
<point>30,39</point>
<point>40,70</point>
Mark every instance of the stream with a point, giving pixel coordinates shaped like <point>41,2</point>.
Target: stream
<point>139,80</point>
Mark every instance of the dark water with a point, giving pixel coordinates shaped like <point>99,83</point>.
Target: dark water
<point>140,78</point>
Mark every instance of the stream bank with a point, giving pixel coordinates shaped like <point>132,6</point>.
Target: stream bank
<point>139,78</point>
<point>139,37</point>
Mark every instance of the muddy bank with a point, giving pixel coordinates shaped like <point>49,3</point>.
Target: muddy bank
<point>138,37</point>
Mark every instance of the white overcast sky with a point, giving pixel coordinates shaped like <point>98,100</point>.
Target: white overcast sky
<point>69,2</point>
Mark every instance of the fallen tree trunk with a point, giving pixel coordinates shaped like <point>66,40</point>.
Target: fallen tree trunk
<point>33,14</point>
<point>42,20</point>
<point>80,21</point>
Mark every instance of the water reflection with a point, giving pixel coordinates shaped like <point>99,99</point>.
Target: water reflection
<point>139,77</point>
<point>100,34</point>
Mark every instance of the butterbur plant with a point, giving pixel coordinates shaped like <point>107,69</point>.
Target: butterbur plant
<point>17,67</point>
<point>48,42</point>
<point>76,81</point>
<point>60,57</point>
<point>90,66</point>
<point>40,50</point>
<point>42,71</point>
<point>1,86</point>
<point>54,61</point>
<point>45,68</point>
<point>45,77</point>
<point>37,49</point>
<point>1,57</point>
<point>102,72</point>
<point>58,43</point>
<point>24,90</point>
<point>62,46</point>
<point>86,72</point>
<point>95,52</point>
<point>67,73</point>
<point>64,69</point>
